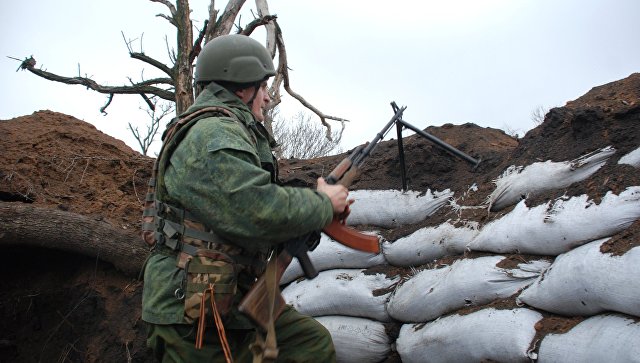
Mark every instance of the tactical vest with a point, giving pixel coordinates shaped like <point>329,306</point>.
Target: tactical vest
<point>175,229</point>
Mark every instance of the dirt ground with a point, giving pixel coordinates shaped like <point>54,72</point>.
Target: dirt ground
<point>63,306</point>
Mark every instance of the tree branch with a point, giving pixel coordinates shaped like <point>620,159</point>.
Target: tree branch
<point>168,4</point>
<point>168,18</point>
<point>170,52</point>
<point>197,45</point>
<point>213,15</point>
<point>93,85</point>
<point>225,23</point>
<point>172,10</point>
<point>263,10</point>
<point>149,82</point>
<point>265,20</point>
<point>283,69</point>
<point>145,58</point>
<point>103,109</point>
<point>146,99</point>
<point>156,115</point>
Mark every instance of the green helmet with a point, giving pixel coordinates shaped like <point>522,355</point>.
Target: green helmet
<point>234,58</point>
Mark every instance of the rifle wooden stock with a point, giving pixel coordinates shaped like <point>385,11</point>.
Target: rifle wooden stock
<point>348,177</point>
<point>254,302</point>
<point>338,171</point>
<point>351,237</point>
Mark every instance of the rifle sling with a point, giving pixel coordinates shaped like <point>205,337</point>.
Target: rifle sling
<point>266,350</point>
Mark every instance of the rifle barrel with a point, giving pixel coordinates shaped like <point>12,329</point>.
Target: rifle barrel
<point>367,150</point>
<point>442,144</point>
<point>436,140</point>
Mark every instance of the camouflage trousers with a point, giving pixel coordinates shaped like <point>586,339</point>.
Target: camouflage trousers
<point>300,339</point>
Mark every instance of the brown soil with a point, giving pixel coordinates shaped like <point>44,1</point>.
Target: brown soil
<point>59,306</point>
<point>57,161</point>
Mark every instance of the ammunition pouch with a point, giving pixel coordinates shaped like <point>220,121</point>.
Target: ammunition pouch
<point>213,271</point>
<point>211,264</point>
<point>178,230</point>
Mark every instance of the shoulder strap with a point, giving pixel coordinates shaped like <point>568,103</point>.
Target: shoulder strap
<point>171,138</point>
<point>174,128</point>
<point>176,133</point>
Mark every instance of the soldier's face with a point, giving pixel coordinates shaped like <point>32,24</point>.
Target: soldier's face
<point>260,101</point>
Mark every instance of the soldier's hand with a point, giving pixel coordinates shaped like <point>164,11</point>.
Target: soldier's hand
<point>337,194</point>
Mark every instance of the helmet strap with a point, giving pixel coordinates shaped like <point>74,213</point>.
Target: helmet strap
<point>255,93</point>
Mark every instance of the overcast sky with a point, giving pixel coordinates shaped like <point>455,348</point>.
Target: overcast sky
<point>490,62</point>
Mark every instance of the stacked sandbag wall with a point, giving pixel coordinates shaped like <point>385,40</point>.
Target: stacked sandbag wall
<point>465,291</point>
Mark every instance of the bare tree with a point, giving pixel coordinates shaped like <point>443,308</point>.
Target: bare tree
<point>177,85</point>
<point>510,131</point>
<point>301,138</point>
<point>538,114</point>
<point>156,115</point>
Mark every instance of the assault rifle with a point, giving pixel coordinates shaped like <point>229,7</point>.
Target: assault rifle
<point>256,301</point>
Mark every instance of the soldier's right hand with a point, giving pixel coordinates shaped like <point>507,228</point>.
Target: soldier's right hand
<point>337,194</point>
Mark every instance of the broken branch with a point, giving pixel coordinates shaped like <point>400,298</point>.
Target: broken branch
<point>283,69</point>
<point>256,23</point>
<point>143,87</point>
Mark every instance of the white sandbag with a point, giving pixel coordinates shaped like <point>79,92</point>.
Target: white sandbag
<point>632,158</point>
<point>357,340</point>
<point>391,208</point>
<point>552,229</point>
<point>517,182</point>
<point>341,292</point>
<point>585,281</point>
<point>330,255</point>
<point>432,293</point>
<point>485,335</point>
<point>428,244</point>
<point>600,339</point>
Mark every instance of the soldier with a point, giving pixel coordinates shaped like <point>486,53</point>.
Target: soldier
<point>220,213</point>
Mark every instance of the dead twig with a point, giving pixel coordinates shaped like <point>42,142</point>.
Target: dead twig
<point>70,346</point>
<point>129,358</point>
<point>282,77</point>
<point>85,170</point>
<point>135,191</point>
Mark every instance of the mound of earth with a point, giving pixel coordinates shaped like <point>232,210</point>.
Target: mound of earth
<point>63,305</point>
<point>57,161</point>
<point>64,302</point>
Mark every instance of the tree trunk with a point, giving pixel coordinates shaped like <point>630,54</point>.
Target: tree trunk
<point>183,67</point>
<point>28,225</point>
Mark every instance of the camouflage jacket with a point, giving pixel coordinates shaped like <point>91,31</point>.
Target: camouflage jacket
<point>224,173</point>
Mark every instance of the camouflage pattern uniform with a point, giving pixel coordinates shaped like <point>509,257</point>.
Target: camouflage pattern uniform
<point>223,173</point>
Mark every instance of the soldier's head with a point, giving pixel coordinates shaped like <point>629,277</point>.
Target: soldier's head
<point>241,65</point>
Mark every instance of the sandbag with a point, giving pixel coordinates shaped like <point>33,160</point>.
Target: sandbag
<point>357,340</point>
<point>517,182</point>
<point>432,293</point>
<point>585,281</point>
<point>632,158</point>
<point>331,255</point>
<point>600,339</point>
<point>552,229</point>
<point>485,335</point>
<point>392,208</point>
<point>342,292</point>
<point>427,244</point>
